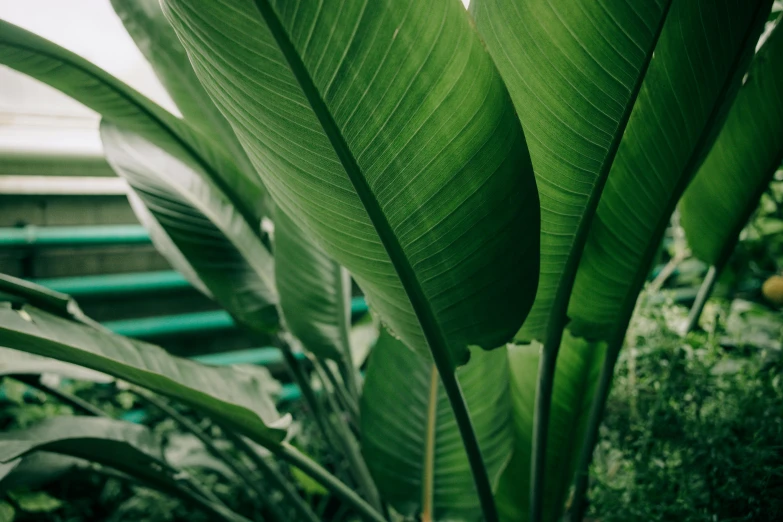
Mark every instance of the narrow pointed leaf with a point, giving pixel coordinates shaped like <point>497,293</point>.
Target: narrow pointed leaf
<point>108,96</point>
<point>578,367</point>
<point>703,51</point>
<point>410,438</point>
<point>232,397</point>
<point>35,470</point>
<point>747,153</point>
<point>384,131</point>
<point>573,69</point>
<point>315,292</point>
<point>144,21</point>
<point>202,222</point>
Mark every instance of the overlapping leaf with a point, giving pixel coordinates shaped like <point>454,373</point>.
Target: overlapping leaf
<point>698,65</point>
<point>385,132</point>
<point>576,375</point>
<point>573,69</point>
<point>410,438</point>
<point>747,153</point>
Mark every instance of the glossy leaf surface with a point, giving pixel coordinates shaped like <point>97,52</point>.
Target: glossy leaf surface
<point>385,132</point>
<point>573,69</point>
<point>698,65</point>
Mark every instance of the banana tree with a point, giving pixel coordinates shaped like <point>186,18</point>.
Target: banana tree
<point>497,183</point>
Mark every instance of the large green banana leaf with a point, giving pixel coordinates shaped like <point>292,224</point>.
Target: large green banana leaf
<point>573,69</point>
<point>699,62</point>
<point>144,21</point>
<point>576,374</point>
<point>727,188</point>
<point>235,398</point>
<point>384,131</point>
<point>201,222</point>
<point>410,438</point>
<point>17,290</point>
<point>315,292</point>
<point>116,101</point>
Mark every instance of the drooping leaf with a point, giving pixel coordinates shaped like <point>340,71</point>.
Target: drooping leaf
<point>164,244</point>
<point>578,366</point>
<point>130,448</point>
<point>36,470</point>
<point>747,153</point>
<point>573,69</point>
<point>14,362</point>
<point>201,221</point>
<point>315,292</point>
<point>385,132</point>
<point>234,398</point>
<point>157,41</point>
<point>410,437</point>
<point>116,101</point>
<point>702,53</point>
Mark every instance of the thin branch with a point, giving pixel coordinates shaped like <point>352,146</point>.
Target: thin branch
<point>297,459</point>
<point>274,477</point>
<point>243,473</point>
<point>351,448</point>
<point>77,403</point>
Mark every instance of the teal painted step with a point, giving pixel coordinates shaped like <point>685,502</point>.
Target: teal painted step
<point>73,236</point>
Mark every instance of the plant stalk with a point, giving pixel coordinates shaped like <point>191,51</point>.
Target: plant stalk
<point>77,403</point>
<point>301,378</point>
<point>701,298</point>
<point>274,477</point>
<point>201,435</point>
<point>436,340</point>
<point>342,394</point>
<point>351,449</point>
<point>184,494</point>
<point>296,458</point>
<point>544,390</point>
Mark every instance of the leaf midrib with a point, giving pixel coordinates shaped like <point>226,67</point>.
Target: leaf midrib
<point>418,299</point>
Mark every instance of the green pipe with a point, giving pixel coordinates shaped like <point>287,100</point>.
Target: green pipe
<point>113,284</point>
<point>197,322</point>
<point>32,235</point>
<point>267,356</point>
<point>138,282</point>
